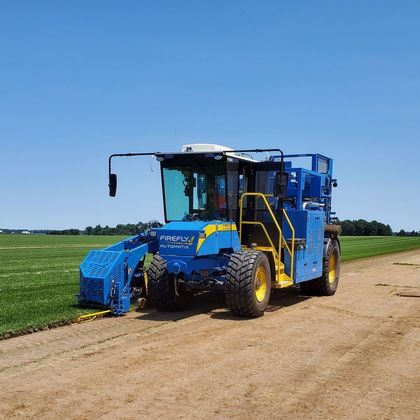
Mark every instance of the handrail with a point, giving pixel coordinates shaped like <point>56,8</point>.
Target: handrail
<point>292,253</point>
<point>281,238</point>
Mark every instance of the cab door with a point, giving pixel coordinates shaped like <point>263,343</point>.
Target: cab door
<point>259,177</point>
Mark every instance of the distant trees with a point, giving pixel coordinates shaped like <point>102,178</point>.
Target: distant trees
<point>64,232</point>
<point>402,232</point>
<point>120,229</point>
<point>359,227</point>
<point>362,227</point>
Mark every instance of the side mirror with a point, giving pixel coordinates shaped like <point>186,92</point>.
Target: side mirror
<point>112,185</point>
<point>281,181</point>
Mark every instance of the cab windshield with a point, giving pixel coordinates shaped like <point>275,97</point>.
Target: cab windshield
<point>194,188</point>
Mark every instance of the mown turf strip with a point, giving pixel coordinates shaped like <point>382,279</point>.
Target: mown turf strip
<point>39,278</point>
<point>355,247</point>
<point>39,274</point>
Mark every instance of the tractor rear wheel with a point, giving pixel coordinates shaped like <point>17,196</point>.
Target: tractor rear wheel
<point>248,283</point>
<point>163,292</point>
<point>327,284</point>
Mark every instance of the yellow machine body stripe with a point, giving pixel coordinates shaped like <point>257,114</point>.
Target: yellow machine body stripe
<point>210,229</point>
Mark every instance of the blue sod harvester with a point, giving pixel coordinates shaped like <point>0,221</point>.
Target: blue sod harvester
<point>233,223</point>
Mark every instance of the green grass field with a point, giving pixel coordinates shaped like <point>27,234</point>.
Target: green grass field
<point>39,274</point>
<point>354,247</point>
<point>39,278</point>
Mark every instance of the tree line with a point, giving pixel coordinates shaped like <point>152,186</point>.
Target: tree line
<point>402,232</point>
<point>120,229</point>
<point>362,227</point>
<point>349,228</point>
<point>358,227</point>
<point>64,232</point>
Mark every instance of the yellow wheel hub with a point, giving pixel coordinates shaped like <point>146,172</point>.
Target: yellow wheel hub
<point>332,269</point>
<point>260,284</point>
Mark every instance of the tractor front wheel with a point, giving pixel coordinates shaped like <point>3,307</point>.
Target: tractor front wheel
<point>248,283</point>
<point>163,292</point>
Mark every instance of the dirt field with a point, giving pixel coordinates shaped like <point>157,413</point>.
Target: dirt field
<point>356,355</point>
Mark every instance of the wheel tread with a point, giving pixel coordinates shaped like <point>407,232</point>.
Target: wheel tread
<point>239,284</point>
<point>160,291</point>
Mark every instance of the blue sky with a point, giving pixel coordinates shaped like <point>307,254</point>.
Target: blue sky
<point>80,80</point>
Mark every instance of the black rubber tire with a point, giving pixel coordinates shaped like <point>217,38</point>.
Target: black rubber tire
<point>241,283</point>
<point>161,288</point>
<point>322,286</point>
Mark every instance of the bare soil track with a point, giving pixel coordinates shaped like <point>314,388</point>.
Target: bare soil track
<point>353,355</point>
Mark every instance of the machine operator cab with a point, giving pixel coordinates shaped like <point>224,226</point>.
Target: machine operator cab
<point>205,182</point>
